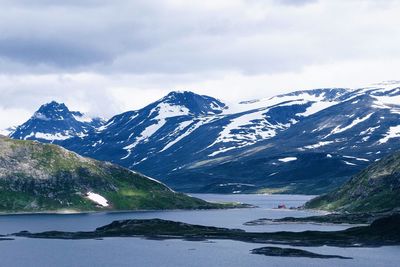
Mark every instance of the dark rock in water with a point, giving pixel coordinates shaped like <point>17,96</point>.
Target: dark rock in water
<point>382,232</point>
<point>333,218</point>
<point>291,252</point>
<point>4,238</point>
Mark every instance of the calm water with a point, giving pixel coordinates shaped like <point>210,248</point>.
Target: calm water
<point>141,252</point>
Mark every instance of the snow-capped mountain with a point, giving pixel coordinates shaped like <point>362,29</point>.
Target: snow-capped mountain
<point>184,127</point>
<point>54,122</point>
<point>305,141</point>
<point>263,119</point>
<point>135,136</point>
<point>313,155</point>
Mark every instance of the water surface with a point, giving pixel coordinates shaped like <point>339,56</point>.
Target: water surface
<point>142,252</point>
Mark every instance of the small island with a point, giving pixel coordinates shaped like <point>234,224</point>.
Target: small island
<point>381,232</point>
<point>292,252</point>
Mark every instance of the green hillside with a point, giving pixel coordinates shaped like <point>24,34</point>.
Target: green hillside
<point>377,188</point>
<point>36,177</point>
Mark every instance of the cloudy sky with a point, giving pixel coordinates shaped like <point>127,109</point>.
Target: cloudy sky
<point>105,57</point>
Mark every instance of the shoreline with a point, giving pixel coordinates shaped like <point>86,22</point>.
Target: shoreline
<point>77,212</point>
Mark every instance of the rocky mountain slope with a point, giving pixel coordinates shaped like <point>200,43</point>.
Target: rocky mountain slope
<point>38,177</point>
<point>315,155</point>
<point>54,122</point>
<point>376,188</point>
<point>304,142</point>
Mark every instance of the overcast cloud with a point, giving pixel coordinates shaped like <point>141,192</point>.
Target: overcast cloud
<point>105,57</point>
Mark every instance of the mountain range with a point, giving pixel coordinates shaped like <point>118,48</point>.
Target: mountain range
<point>308,141</point>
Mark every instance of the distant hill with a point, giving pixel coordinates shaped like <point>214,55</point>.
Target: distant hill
<point>37,177</point>
<point>376,188</point>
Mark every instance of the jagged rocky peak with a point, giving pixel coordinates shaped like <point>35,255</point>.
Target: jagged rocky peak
<point>52,111</point>
<point>59,111</point>
<point>55,122</point>
<point>192,103</point>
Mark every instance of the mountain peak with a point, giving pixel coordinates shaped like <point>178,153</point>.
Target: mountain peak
<point>194,103</point>
<point>52,111</point>
<point>53,121</point>
<point>179,92</point>
<point>54,105</point>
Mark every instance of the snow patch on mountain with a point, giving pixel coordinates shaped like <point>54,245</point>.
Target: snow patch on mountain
<point>369,130</point>
<point>287,159</point>
<point>184,125</point>
<point>317,107</point>
<point>340,129</point>
<point>349,163</point>
<point>102,201</point>
<point>144,136</point>
<point>355,158</point>
<point>319,144</point>
<point>166,110</point>
<point>256,127</point>
<point>51,137</point>
<point>320,101</point>
<point>104,127</point>
<point>394,132</point>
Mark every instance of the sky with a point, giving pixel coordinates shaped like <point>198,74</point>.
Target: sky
<point>105,57</point>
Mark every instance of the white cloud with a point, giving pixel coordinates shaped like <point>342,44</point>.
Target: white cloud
<point>13,117</point>
<point>106,57</point>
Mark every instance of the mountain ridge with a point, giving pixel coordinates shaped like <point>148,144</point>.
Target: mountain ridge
<point>191,141</point>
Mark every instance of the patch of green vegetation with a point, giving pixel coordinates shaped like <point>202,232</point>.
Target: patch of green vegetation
<point>375,189</point>
<point>278,190</point>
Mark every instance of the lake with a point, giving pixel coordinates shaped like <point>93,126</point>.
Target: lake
<point>142,252</point>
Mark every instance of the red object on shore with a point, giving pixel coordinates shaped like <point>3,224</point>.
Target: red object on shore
<point>281,206</point>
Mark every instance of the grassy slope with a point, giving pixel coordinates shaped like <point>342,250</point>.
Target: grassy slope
<point>376,188</point>
<point>44,177</point>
